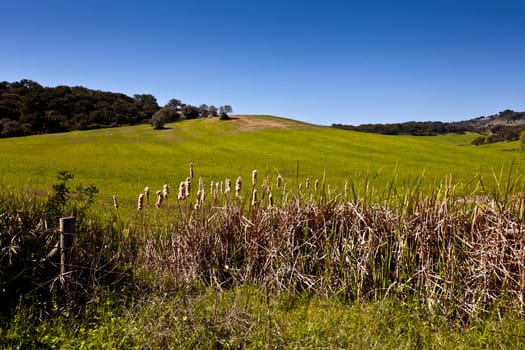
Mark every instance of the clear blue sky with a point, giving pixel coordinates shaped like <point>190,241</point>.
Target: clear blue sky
<point>323,61</point>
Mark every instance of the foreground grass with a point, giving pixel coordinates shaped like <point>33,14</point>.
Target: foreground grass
<point>247,318</point>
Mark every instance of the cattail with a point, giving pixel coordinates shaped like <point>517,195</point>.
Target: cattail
<point>191,170</point>
<point>316,185</point>
<point>188,187</point>
<point>140,203</point>
<point>198,200</point>
<point>279,181</point>
<point>182,191</point>
<point>146,192</point>
<point>254,197</point>
<point>228,186</point>
<point>238,185</point>
<point>202,196</point>
<point>115,202</point>
<point>254,177</point>
<point>165,191</point>
<point>270,200</point>
<point>159,199</point>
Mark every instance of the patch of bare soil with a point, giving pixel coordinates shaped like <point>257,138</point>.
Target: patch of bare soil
<point>247,123</point>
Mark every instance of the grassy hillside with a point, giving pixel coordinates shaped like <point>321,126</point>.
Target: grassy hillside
<point>125,160</point>
<point>438,271</point>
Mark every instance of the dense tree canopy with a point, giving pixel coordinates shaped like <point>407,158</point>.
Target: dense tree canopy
<point>27,108</point>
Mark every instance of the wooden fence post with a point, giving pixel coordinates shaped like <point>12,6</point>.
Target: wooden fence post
<point>67,234</point>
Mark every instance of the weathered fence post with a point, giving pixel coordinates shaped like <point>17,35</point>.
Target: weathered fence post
<point>67,234</point>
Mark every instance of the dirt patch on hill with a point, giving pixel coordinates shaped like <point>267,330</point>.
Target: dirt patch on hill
<point>249,123</point>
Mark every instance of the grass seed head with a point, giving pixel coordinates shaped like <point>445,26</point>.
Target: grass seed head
<point>254,197</point>
<point>254,177</point>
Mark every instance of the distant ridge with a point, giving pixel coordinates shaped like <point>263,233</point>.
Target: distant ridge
<point>504,126</point>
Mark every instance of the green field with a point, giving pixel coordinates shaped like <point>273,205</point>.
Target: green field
<point>124,160</point>
<point>420,269</point>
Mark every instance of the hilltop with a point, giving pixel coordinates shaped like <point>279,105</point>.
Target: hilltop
<point>504,126</point>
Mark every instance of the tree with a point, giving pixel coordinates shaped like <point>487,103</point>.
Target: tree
<point>190,112</point>
<point>223,112</point>
<point>159,119</point>
<point>163,116</point>
<point>204,110</point>
<point>212,111</point>
<point>145,99</point>
<point>174,103</point>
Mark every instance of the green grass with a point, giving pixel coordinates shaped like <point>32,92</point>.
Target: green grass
<point>155,314</point>
<point>245,318</point>
<point>124,160</point>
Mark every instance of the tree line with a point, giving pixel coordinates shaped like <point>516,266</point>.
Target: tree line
<point>28,108</point>
<point>503,126</point>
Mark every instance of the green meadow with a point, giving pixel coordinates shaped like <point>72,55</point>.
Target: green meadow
<point>426,270</point>
<point>124,160</point>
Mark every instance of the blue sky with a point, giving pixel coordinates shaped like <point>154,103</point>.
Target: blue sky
<point>324,62</point>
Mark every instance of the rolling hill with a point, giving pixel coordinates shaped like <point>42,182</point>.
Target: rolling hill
<point>124,160</point>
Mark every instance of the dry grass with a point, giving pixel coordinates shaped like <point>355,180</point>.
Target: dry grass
<point>458,255</point>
